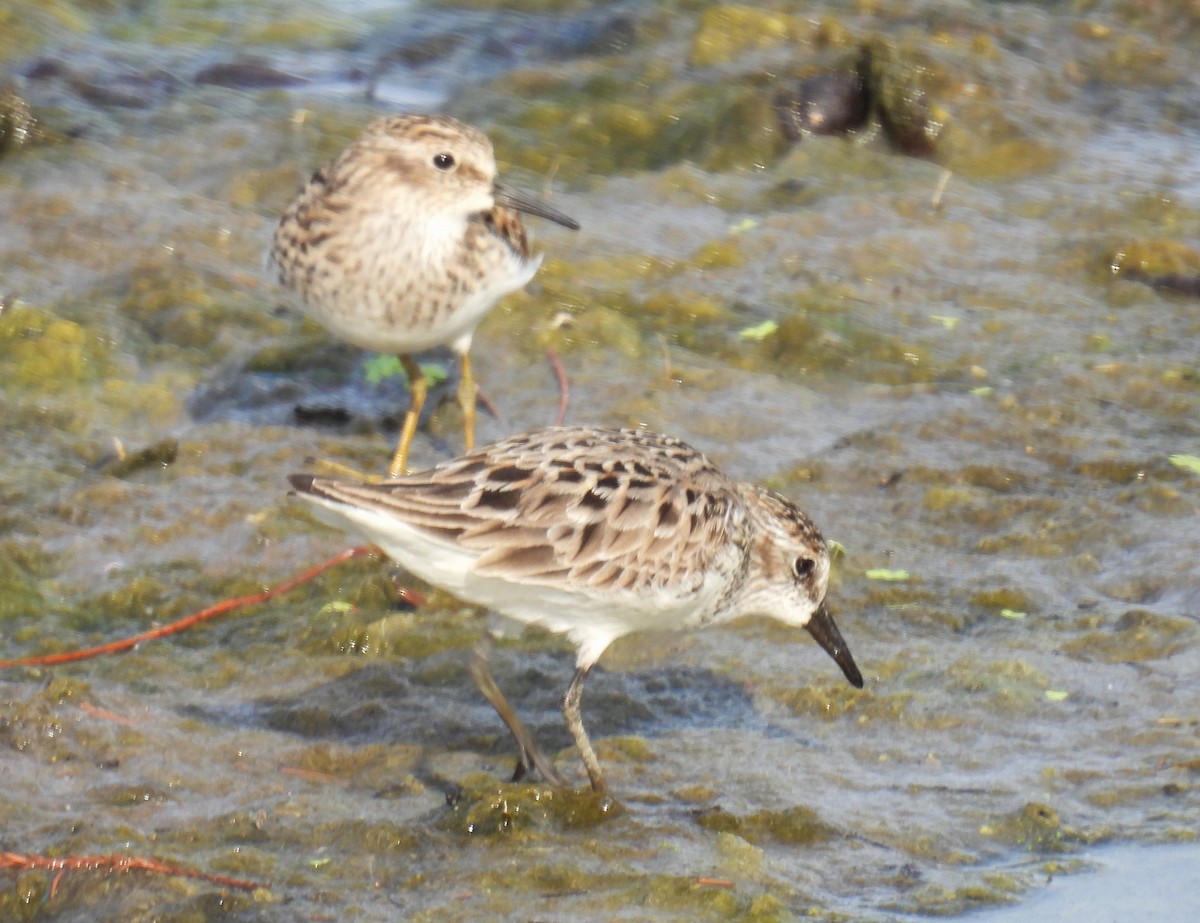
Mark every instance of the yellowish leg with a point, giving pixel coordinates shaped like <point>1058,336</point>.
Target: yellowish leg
<point>338,470</point>
<point>418,387</point>
<point>466,400</point>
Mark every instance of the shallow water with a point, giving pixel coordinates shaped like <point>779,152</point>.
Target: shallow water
<point>1154,883</point>
<point>965,395</point>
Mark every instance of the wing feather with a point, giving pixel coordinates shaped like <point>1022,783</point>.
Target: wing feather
<point>571,507</point>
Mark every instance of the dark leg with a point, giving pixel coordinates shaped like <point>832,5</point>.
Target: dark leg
<point>531,754</point>
<point>570,709</point>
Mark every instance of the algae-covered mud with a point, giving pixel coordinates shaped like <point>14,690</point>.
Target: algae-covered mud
<point>931,270</point>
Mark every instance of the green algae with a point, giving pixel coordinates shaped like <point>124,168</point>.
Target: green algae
<point>591,327</point>
<point>483,807</point>
<point>151,594</point>
<point>1009,685</point>
<point>1150,260</point>
<point>127,796</point>
<point>996,478</point>
<point>47,358</point>
<point>297,354</point>
<point>615,891</point>
<point>172,305</point>
<point>725,253</point>
<point>816,336</point>
<point>642,124</point>
<point>186,312</point>
<point>795,826</point>
<point>725,33</point>
<point>932,100</point>
<point>44,353</point>
<point>24,572</point>
<point>276,22</point>
<point>24,900</point>
<point>907,85</point>
<point>374,837</point>
<point>403,635</point>
<point>1154,792</point>
<point>902,596</point>
<point>1136,636</point>
<point>1012,599</point>
<point>124,464</point>
<point>1035,827</point>
<point>366,765</point>
<point>943,901</point>
<point>739,858</point>
<point>605,312</point>
<point>51,734</point>
<point>986,512</point>
<point>520,6</point>
<point>947,499</point>
<point>1116,471</point>
<point>688,898</point>
<point>834,699</point>
<point>626,748</point>
<point>64,689</point>
<point>26,24</point>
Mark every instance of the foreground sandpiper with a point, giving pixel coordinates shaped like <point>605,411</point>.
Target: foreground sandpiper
<point>595,534</point>
<point>404,242</point>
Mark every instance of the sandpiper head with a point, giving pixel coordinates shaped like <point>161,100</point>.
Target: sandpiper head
<point>789,563</point>
<point>789,574</point>
<point>452,164</point>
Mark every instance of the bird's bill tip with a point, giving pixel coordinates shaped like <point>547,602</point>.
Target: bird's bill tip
<point>523,202</point>
<point>301,483</point>
<point>825,632</point>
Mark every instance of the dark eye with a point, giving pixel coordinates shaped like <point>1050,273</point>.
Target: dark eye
<point>443,161</point>
<point>802,567</point>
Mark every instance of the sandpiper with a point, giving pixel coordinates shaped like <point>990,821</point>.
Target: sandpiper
<point>594,534</point>
<point>404,242</point>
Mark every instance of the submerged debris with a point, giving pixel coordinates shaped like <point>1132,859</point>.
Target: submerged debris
<point>829,103</point>
<point>17,123</point>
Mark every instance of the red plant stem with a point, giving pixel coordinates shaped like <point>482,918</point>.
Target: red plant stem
<point>226,605</point>
<point>564,389</point>
<point>488,405</point>
<point>10,860</point>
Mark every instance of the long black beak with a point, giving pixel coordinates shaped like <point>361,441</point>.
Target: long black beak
<point>826,634</point>
<point>524,202</point>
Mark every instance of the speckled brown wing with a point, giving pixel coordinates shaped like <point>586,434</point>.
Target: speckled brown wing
<point>294,231</point>
<point>506,224</point>
<point>309,222</point>
<point>574,508</point>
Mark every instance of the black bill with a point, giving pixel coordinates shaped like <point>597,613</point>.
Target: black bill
<point>509,197</point>
<point>826,634</point>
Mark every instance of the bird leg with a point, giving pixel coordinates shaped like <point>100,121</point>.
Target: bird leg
<point>531,756</point>
<point>570,710</point>
<point>418,387</point>
<point>336,469</point>
<point>466,400</point>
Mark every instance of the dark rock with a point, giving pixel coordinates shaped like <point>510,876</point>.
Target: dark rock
<point>246,75</point>
<point>825,104</point>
